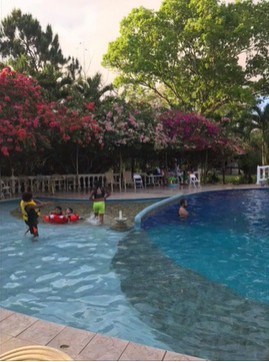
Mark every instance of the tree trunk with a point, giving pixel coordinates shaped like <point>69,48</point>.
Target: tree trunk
<point>204,170</point>
<point>77,167</point>
<point>223,172</point>
<point>121,174</point>
<point>265,156</point>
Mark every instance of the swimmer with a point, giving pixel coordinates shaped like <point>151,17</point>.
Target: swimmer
<point>57,211</point>
<point>182,208</point>
<point>69,211</point>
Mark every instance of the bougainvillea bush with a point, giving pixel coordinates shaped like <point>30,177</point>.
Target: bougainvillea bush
<point>29,124</point>
<point>190,131</point>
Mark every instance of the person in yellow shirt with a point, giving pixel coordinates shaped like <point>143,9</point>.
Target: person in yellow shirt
<point>30,211</point>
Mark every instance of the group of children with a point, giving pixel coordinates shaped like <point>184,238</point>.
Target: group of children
<point>58,211</point>
<point>30,208</point>
<point>31,211</point>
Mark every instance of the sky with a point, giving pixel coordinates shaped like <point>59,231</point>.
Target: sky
<point>85,27</point>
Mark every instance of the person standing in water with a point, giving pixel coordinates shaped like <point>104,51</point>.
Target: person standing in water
<point>98,196</point>
<point>30,212</point>
<point>182,208</point>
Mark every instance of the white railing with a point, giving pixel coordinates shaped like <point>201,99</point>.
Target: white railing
<point>262,174</point>
<point>51,183</point>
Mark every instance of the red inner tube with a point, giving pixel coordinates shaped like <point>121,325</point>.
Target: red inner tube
<point>60,219</point>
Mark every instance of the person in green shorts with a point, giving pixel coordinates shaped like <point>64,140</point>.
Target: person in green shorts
<point>98,196</point>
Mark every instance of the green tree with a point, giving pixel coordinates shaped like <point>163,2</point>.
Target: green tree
<point>192,48</point>
<point>260,122</point>
<point>22,36</point>
<point>93,88</point>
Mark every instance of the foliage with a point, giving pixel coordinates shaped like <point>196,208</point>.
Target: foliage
<point>22,36</point>
<point>92,88</point>
<point>189,131</point>
<point>31,125</point>
<point>24,115</point>
<point>260,121</point>
<point>192,49</point>
<point>125,126</point>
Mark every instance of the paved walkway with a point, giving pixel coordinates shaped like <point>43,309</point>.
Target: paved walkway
<point>18,330</point>
<point>145,193</point>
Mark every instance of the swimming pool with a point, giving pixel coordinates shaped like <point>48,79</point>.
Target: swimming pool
<point>66,277</point>
<point>225,239</point>
<point>135,286</point>
<point>203,281</point>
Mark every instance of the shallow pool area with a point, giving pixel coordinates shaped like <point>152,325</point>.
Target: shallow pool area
<point>167,285</point>
<point>66,277</point>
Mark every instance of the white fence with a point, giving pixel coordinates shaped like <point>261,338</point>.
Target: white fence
<point>52,183</point>
<point>262,174</point>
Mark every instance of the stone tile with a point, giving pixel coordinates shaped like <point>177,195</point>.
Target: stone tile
<point>185,357</point>
<point>16,323</point>
<point>41,332</point>
<point>139,352</point>
<point>13,343</point>
<point>172,356</point>
<point>80,358</point>
<point>71,340</point>
<point>102,348</point>
<point>4,313</point>
<point>4,338</point>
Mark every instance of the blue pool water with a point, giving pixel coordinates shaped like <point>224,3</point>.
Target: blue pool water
<point>196,286</point>
<point>226,239</point>
<point>66,277</point>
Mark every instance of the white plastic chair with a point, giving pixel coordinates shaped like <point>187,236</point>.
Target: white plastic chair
<point>5,190</point>
<point>110,180</point>
<point>193,180</point>
<point>128,180</point>
<point>138,180</point>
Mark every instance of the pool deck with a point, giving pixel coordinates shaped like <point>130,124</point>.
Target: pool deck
<point>19,330</point>
<point>145,193</point>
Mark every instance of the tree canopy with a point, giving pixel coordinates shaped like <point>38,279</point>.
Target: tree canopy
<point>22,35</point>
<point>191,49</point>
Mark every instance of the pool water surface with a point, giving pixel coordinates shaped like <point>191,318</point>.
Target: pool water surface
<point>173,284</point>
<point>226,238</point>
<point>66,277</point>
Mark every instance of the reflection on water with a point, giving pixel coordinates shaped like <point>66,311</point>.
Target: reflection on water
<point>66,277</point>
<point>191,314</point>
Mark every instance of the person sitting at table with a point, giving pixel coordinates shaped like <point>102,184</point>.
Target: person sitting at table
<point>157,171</point>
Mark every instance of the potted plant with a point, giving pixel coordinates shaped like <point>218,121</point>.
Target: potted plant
<point>171,180</point>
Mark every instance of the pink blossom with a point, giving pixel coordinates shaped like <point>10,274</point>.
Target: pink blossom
<point>21,134</point>
<point>4,150</point>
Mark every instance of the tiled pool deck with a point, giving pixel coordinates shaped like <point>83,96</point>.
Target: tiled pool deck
<point>19,330</point>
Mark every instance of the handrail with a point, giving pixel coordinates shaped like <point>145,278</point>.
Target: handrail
<point>262,174</point>
<point>51,183</point>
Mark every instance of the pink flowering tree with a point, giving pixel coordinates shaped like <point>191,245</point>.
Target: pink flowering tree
<point>79,130</point>
<point>29,126</point>
<point>194,134</point>
<point>125,128</point>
